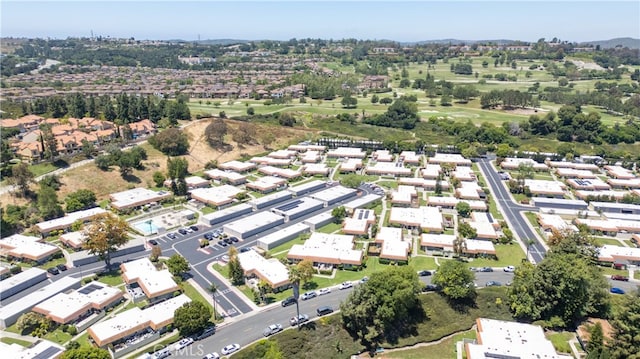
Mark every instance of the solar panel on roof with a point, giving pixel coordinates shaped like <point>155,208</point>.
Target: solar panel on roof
<point>289,206</point>
<point>359,214</point>
<point>88,289</point>
<point>50,352</point>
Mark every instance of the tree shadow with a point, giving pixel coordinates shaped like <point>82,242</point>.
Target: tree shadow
<point>309,326</point>
<point>310,285</point>
<point>131,178</point>
<point>463,305</point>
<point>61,163</point>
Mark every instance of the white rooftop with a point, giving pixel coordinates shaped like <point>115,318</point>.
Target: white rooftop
<point>238,166</point>
<point>346,152</point>
<point>271,270</point>
<point>543,186</point>
<point>220,194</point>
<point>427,218</point>
<point>136,196</point>
<point>389,168</point>
<point>69,219</point>
<point>393,246</point>
<point>450,158</point>
<point>336,248</point>
<point>252,222</point>
<point>332,193</point>
<point>510,339</point>
<point>153,282</point>
<point>21,246</point>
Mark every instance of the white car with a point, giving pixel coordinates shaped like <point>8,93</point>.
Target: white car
<point>324,291</point>
<point>308,295</point>
<point>509,269</point>
<point>213,355</point>
<point>272,329</point>
<point>183,343</point>
<point>345,285</point>
<point>229,349</point>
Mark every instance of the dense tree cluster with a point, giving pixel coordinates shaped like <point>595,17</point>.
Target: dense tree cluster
<point>191,318</point>
<point>384,308</point>
<point>403,113</point>
<point>171,141</point>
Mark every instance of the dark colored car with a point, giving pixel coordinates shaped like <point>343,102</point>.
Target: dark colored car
<point>194,228</point>
<point>209,331</point>
<point>486,269</point>
<point>228,240</point>
<point>222,243</point>
<point>493,283</point>
<point>244,249</point>
<point>616,290</point>
<point>424,273</point>
<point>324,310</point>
<point>182,231</point>
<point>431,288</point>
<point>153,242</point>
<point>234,239</point>
<point>62,267</point>
<point>53,271</point>
<point>208,236</point>
<point>288,301</point>
<point>619,277</point>
<point>172,235</point>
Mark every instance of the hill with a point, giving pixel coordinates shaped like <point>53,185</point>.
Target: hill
<point>620,41</point>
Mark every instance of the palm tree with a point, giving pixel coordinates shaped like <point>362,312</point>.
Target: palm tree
<point>294,277</point>
<point>213,288</point>
<point>459,246</point>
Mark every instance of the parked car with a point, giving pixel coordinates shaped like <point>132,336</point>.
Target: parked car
<point>213,355</point>
<point>324,310</point>
<point>486,269</point>
<point>183,343</point>
<point>182,231</point>
<point>619,277</point>
<point>53,271</point>
<point>229,349</point>
<point>207,332</point>
<point>424,273</point>
<point>298,320</point>
<point>288,301</point>
<point>172,235</point>
<point>194,228</point>
<point>309,295</point>
<point>509,269</point>
<point>222,243</point>
<point>345,285</point>
<point>431,288</point>
<point>324,291</point>
<point>162,353</point>
<point>153,242</point>
<point>234,239</point>
<point>493,283</point>
<point>616,290</point>
<point>228,240</point>
<point>208,236</point>
<point>364,279</point>
<point>272,329</point>
<point>245,249</point>
<point>63,267</point>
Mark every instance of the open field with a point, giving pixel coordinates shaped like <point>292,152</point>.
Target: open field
<point>445,349</point>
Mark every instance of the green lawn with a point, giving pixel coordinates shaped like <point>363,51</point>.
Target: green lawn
<point>20,342</point>
<point>54,262</point>
<point>286,246</point>
<point>493,209</point>
<point>326,338</point>
<point>561,341</point>
<point>600,241</point>
<point>445,349</point>
<point>388,184</point>
<point>610,271</point>
<point>192,293</point>
<point>636,274</point>
<point>329,228</point>
<point>420,263</point>
<point>42,168</point>
<point>83,340</point>
<point>113,278</point>
<point>508,254</point>
<point>58,336</point>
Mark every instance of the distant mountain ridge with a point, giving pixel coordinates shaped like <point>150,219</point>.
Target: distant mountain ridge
<point>619,41</point>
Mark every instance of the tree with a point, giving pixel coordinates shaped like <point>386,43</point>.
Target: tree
<point>213,288</point>
<point>88,149</point>
<point>263,288</point>
<point>349,101</point>
<point>191,318</point>
<point>48,203</point>
<point>339,213</point>
<point>236,272</point>
<point>456,281</point>
<point>156,252</point>
<point>464,209</point>
<point>158,179</point>
<point>29,321</point>
<point>596,338</point>
<point>626,329</point>
<point>245,134</point>
<point>48,141</point>
<point>466,231</point>
<point>251,111</point>
<point>86,353</point>
<point>103,162</point>
<point>351,180</point>
<point>504,150</point>
<point>21,177</point>
<point>562,288</point>
<point>215,132</point>
<point>286,119</point>
<point>171,142</point>
<point>104,235</point>
<point>177,168</point>
<point>52,181</point>
<point>375,98</point>
<point>79,200</point>
<point>177,265</point>
<point>384,308</point>
<point>306,270</point>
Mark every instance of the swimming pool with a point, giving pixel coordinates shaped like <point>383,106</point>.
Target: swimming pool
<point>146,227</point>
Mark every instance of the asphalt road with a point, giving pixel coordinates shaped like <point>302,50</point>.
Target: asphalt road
<point>251,326</point>
<point>513,211</point>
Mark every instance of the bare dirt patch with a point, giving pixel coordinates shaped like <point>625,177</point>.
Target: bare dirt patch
<point>105,182</point>
<point>525,111</point>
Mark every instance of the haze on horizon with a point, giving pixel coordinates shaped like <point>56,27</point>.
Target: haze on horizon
<point>408,21</point>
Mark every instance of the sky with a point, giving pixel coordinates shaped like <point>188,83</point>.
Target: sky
<point>404,21</point>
